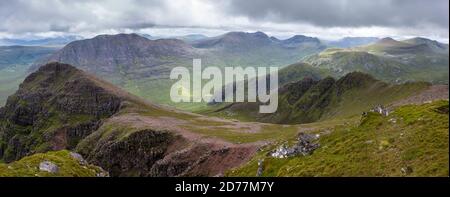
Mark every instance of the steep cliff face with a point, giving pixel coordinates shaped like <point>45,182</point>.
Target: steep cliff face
<point>53,109</point>
<point>130,156</point>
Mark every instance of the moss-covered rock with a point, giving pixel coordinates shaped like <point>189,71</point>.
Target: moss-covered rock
<point>66,164</point>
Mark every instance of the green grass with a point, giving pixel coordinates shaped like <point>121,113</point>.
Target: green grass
<point>267,133</point>
<point>355,101</point>
<point>29,166</point>
<point>376,147</point>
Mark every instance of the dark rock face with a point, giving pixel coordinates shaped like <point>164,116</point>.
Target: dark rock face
<point>152,153</point>
<point>296,90</point>
<point>68,137</point>
<point>53,109</point>
<point>80,97</point>
<point>354,80</point>
<point>178,163</point>
<point>132,156</point>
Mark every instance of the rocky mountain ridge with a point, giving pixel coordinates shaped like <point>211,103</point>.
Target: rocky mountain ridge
<point>60,107</point>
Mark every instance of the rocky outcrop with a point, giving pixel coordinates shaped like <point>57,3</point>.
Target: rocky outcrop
<point>381,110</point>
<point>48,166</point>
<point>132,156</point>
<point>296,90</point>
<point>305,146</point>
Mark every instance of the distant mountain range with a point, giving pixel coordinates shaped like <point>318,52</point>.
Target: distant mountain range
<point>245,41</point>
<point>187,38</point>
<point>52,41</point>
<point>417,59</point>
<point>142,66</point>
<point>349,42</point>
<point>141,63</point>
<point>334,83</point>
<point>19,55</point>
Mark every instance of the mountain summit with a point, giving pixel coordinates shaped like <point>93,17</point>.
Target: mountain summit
<point>101,54</point>
<point>59,105</point>
<point>235,40</point>
<point>298,40</point>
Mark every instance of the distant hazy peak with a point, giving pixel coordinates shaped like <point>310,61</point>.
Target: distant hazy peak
<point>387,40</point>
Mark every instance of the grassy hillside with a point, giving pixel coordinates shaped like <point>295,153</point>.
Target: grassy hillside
<point>309,100</point>
<point>413,137</point>
<point>68,166</point>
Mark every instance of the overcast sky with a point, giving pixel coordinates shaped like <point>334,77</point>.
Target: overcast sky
<point>327,19</point>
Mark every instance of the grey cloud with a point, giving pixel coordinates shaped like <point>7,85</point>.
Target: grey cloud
<point>19,16</point>
<point>93,17</point>
<point>347,13</point>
